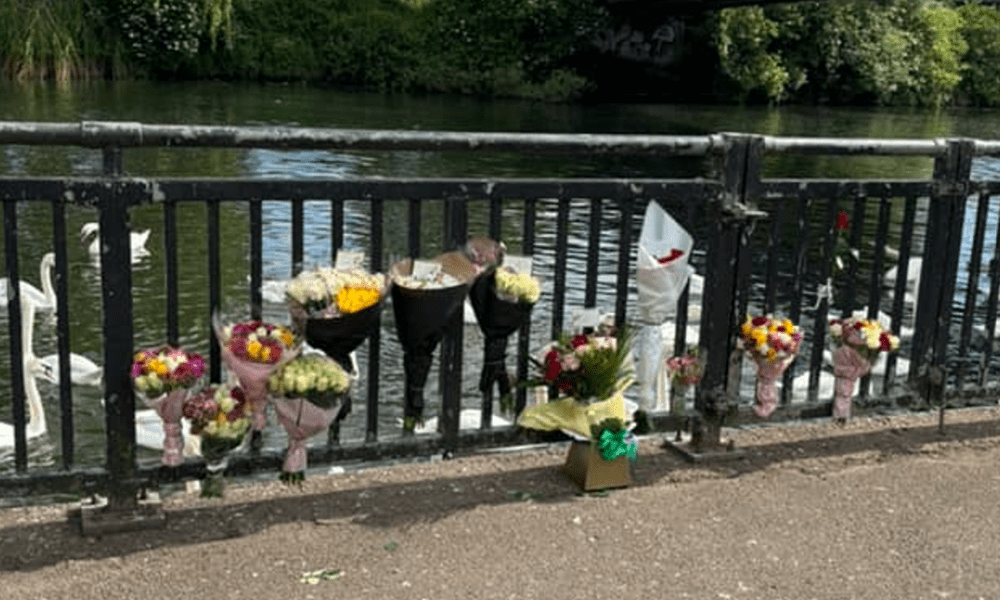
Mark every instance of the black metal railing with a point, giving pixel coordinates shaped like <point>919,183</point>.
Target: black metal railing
<point>762,243</point>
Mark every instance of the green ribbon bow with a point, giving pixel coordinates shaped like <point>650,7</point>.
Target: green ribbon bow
<point>613,445</point>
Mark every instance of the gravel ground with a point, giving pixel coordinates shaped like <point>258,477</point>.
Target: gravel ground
<point>880,508</point>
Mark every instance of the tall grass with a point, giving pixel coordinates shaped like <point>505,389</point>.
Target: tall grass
<point>45,39</point>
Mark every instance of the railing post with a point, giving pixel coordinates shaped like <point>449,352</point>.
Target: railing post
<point>942,246</point>
<point>725,287</point>
<point>123,510</point>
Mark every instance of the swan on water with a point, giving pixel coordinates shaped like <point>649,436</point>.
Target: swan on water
<point>36,425</point>
<point>43,299</point>
<point>90,237</point>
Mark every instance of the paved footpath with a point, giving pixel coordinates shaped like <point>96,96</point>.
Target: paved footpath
<point>882,508</point>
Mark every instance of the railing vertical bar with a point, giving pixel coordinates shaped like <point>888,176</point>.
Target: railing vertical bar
<point>684,300</point>
<point>214,288</point>
<point>456,232</point>
<point>800,269</point>
<point>413,230</point>
<point>15,328</point>
<point>61,285</point>
<point>170,265</point>
<point>375,339</point>
<point>256,257</point>
<point>336,228</point>
<point>559,276</point>
<point>899,289</point>
<point>336,243</point>
<point>624,259</point>
<point>875,280</point>
<point>991,307</point>
<point>593,254</point>
<point>771,273</point>
<point>971,290</point>
<point>851,272</point>
<point>823,306</point>
<point>524,334</point>
<point>496,218</point>
<point>297,235</point>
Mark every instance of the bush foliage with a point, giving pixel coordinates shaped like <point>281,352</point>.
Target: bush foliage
<point>911,52</point>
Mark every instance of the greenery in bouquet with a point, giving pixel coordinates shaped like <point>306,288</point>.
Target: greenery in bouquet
<point>866,336</point>
<point>219,412</point>
<point>686,369</point>
<point>517,287</point>
<point>585,367</point>
<point>328,293</point>
<point>164,369</point>
<point>768,339</point>
<point>257,341</point>
<point>613,438</point>
<point>315,377</point>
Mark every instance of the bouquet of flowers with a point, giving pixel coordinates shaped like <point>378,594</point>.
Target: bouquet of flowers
<point>484,253</point>
<point>590,374</point>
<point>306,395</point>
<point>162,376</point>
<point>857,345</point>
<point>684,371</point>
<point>425,295</point>
<point>502,301</point>
<point>521,288</point>
<point>252,350</point>
<point>337,309</point>
<point>220,415</point>
<point>772,344</point>
<point>662,271</point>
<point>584,367</point>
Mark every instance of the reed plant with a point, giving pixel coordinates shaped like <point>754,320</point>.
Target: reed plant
<point>45,39</point>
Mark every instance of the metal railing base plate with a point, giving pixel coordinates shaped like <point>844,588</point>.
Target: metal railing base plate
<point>96,519</point>
<point>686,450</point>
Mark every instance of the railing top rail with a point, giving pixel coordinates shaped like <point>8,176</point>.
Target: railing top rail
<point>128,134</point>
<point>867,146</point>
<point>102,134</point>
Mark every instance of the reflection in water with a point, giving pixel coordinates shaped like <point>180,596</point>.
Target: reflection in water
<point>273,105</point>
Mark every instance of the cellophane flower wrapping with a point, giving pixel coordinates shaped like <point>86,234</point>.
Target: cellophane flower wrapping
<point>590,375</point>
<point>422,307</point>
<point>306,394</point>
<point>221,416</point>
<point>857,345</point>
<point>662,272</point>
<point>336,309</point>
<point>162,376</point>
<point>252,350</point>
<point>773,345</point>
<point>502,301</point>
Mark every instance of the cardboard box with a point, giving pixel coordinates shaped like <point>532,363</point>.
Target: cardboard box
<point>588,469</point>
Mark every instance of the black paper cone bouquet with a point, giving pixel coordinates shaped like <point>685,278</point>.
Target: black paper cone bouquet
<point>502,300</point>
<point>335,310</point>
<point>425,296</point>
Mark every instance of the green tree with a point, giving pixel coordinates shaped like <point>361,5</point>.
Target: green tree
<point>980,84</point>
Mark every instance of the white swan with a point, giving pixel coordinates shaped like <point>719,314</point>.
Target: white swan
<point>43,299</point>
<point>149,432</point>
<point>90,236</point>
<point>36,425</point>
<point>82,370</point>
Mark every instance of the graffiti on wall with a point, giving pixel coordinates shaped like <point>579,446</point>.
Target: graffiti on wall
<point>659,46</point>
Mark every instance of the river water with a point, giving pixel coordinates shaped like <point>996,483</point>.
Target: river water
<point>251,104</point>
